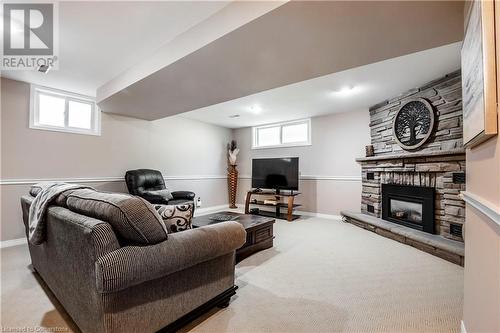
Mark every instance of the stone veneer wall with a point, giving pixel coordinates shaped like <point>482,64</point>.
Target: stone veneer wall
<point>431,165</point>
<point>444,94</point>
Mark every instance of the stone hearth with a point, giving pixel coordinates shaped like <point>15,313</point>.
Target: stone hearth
<point>436,245</point>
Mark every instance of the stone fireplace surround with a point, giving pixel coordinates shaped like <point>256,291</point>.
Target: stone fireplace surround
<point>434,169</point>
<point>425,169</point>
<point>439,163</point>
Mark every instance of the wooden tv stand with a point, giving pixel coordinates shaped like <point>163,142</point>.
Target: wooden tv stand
<point>289,205</point>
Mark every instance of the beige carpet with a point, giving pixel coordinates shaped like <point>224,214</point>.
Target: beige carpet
<point>321,276</point>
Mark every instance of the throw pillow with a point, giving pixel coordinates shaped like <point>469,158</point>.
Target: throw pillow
<point>176,217</point>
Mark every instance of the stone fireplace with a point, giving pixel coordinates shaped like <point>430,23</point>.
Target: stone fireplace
<point>443,172</point>
<point>411,206</point>
<point>438,164</point>
<point>411,183</point>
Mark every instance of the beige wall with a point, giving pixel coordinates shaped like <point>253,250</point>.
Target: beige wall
<point>336,141</point>
<point>482,234</point>
<point>178,147</point>
<point>482,241</point>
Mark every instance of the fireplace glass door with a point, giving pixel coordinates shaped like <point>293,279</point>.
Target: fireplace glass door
<point>406,210</point>
<point>411,206</point>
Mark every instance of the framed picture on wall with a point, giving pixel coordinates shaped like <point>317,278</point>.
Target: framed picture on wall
<point>479,74</point>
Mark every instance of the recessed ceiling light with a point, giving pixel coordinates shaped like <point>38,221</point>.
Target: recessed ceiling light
<point>255,109</point>
<point>234,116</point>
<point>346,91</point>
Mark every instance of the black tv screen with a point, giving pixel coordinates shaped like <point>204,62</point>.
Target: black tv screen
<point>276,173</point>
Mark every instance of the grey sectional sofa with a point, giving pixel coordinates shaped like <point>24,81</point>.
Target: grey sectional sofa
<point>109,284</point>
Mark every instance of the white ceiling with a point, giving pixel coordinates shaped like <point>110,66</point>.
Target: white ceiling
<point>371,84</point>
<point>99,40</point>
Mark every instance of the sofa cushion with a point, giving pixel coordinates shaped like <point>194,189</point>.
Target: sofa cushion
<point>176,217</point>
<point>133,218</point>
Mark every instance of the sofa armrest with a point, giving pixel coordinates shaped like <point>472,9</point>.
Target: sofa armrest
<point>98,234</point>
<point>183,195</point>
<point>132,265</point>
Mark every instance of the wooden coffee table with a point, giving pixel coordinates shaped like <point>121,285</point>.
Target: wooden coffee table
<point>259,231</point>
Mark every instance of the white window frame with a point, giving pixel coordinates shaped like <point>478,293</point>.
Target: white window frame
<point>35,91</point>
<point>255,137</point>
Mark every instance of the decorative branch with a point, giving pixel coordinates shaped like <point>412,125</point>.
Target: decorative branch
<point>232,151</point>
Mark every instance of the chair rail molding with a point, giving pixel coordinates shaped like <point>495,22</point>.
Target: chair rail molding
<point>484,206</point>
<point>29,181</point>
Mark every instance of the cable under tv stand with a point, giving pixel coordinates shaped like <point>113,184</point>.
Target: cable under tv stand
<point>278,195</point>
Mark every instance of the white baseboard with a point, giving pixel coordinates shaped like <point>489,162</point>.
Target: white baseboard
<point>310,214</point>
<point>319,215</point>
<point>462,327</point>
<point>211,209</point>
<point>318,177</point>
<point>31,181</point>
<point>12,242</point>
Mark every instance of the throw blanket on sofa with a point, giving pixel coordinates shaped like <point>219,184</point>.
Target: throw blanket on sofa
<point>39,207</point>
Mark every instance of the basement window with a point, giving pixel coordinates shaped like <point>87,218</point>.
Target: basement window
<point>62,111</point>
<point>286,134</point>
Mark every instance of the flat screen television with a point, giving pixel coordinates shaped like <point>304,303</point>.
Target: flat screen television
<point>276,173</point>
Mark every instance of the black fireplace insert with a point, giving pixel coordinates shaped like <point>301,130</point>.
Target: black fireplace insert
<point>411,206</point>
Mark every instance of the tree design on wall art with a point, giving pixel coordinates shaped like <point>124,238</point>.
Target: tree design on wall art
<point>413,123</point>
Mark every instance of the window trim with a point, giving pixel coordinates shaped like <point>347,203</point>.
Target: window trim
<point>255,138</point>
<point>95,121</point>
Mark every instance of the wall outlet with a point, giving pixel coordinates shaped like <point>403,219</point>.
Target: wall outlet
<point>198,202</point>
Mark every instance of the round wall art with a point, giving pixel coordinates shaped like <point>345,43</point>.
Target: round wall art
<point>413,123</point>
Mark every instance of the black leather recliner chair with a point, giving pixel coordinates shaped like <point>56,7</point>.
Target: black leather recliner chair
<point>144,183</point>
